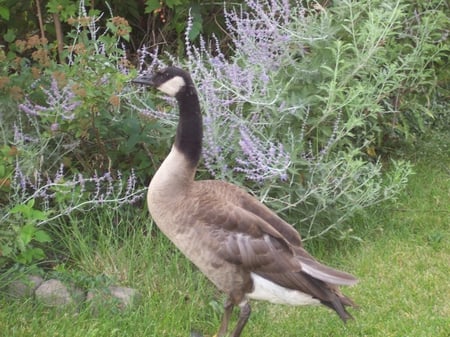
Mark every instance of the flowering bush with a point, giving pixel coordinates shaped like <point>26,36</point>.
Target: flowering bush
<point>67,141</point>
<point>301,110</point>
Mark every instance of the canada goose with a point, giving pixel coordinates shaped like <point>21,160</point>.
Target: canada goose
<point>243,247</point>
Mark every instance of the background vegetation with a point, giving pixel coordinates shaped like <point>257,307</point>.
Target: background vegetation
<point>317,107</point>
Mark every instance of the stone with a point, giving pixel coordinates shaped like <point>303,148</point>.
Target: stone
<point>125,296</point>
<point>113,297</point>
<point>55,293</point>
<point>24,287</point>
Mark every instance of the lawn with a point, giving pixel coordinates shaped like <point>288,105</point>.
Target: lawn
<point>403,263</point>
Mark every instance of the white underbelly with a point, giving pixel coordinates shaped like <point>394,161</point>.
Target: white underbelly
<point>274,293</point>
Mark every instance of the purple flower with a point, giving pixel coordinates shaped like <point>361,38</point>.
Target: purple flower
<point>54,127</point>
<point>60,103</point>
<point>29,108</point>
<point>261,161</point>
<point>78,193</point>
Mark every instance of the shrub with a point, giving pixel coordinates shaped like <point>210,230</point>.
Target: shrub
<point>70,112</point>
<point>299,112</point>
<point>20,237</point>
<point>65,141</point>
<point>400,49</point>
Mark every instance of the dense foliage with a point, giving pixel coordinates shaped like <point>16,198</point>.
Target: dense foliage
<point>305,104</point>
<point>154,22</point>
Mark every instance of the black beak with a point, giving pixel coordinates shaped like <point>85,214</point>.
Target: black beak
<point>146,79</point>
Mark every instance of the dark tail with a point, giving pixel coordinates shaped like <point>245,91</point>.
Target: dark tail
<point>338,304</point>
<point>330,279</point>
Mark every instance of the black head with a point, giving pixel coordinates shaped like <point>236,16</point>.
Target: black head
<point>170,80</point>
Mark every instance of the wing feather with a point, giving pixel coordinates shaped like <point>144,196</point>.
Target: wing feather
<point>249,241</point>
<point>253,236</point>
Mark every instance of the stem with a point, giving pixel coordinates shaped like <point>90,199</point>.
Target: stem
<point>39,15</point>
<point>59,36</point>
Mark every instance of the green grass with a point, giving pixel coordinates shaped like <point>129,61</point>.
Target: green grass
<point>403,264</point>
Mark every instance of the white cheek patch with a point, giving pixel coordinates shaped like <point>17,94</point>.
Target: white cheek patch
<point>172,86</point>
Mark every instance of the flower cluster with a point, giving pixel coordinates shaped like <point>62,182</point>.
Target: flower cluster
<point>78,192</point>
<point>237,94</point>
<point>262,160</point>
<point>60,104</point>
<point>258,33</point>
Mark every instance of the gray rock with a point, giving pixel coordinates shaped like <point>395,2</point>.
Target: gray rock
<point>55,293</point>
<point>126,296</point>
<point>196,334</point>
<point>24,287</point>
<point>113,297</point>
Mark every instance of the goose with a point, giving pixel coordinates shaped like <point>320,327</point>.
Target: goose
<point>245,249</point>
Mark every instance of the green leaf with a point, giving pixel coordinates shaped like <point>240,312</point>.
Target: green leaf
<point>5,250</point>
<point>4,13</point>
<point>30,254</point>
<point>30,203</point>
<point>65,8</point>
<point>195,31</point>
<point>26,233</point>
<point>36,214</point>
<point>173,3</point>
<point>111,26</point>
<point>52,7</point>
<point>197,23</point>
<point>151,5</point>
<point>10,36</point>
<point>42,236</point>
<point>28,212</point>
<point>23,209</point>
<point>132,141</point>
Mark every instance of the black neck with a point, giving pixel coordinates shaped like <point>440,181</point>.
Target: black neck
<point>189,131</point>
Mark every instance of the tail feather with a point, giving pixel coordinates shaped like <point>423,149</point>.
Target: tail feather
<point>319,281</point>
<point>333,278</point>
<point>325,273</point>
<point>338,304</point>
<point>328,294</point>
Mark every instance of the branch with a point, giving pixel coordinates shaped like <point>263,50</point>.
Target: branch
<point>59,36</point>
<point>41,21</point>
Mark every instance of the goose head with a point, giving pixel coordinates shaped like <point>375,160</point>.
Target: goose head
<point>177,83</point>
<point>172,81</point>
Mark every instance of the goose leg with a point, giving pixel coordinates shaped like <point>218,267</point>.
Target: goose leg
<point>228,306</point>
<point>243,318</point>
